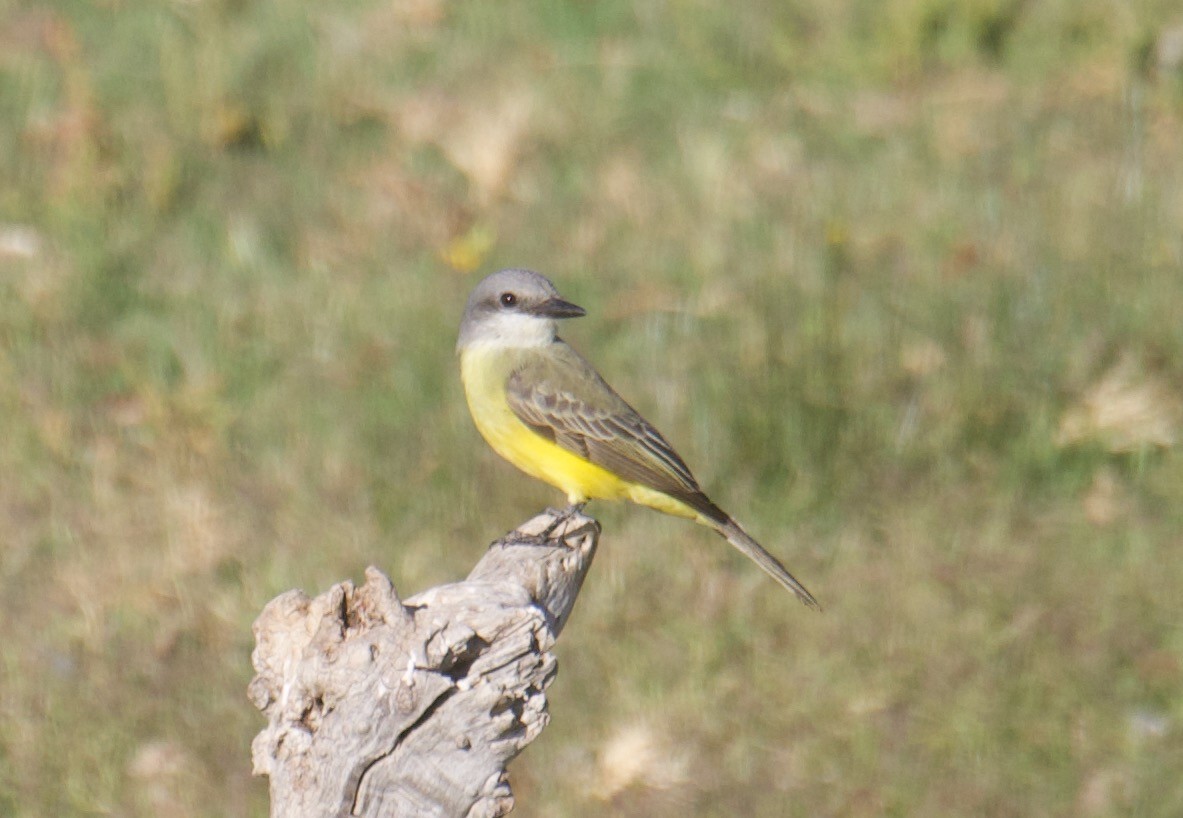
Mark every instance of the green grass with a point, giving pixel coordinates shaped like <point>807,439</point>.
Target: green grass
<point>862,262</point>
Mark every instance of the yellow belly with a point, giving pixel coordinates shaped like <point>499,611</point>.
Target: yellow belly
<point>484,373</point>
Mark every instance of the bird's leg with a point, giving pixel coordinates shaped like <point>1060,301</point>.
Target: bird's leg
<point>561,517</point>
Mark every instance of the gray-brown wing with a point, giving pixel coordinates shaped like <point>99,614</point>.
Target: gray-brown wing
<point>560,396</point>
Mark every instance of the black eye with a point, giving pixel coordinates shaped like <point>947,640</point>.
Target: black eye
<point>508,299</point>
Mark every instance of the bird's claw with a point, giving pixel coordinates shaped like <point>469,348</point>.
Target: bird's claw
<point>561,517</point>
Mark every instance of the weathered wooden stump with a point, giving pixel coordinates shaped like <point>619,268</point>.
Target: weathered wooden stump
<point>378,707</point>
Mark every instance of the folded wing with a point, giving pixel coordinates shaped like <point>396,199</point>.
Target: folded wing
<point>560,396</point>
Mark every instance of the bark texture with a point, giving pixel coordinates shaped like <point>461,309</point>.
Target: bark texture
<point>380,707</point>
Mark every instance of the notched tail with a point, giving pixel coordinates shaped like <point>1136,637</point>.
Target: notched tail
<point>751,549</point>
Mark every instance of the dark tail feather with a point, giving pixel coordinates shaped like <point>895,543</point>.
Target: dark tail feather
<point>751,549</point>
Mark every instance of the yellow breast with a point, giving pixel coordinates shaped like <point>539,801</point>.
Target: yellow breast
<point>485,372</point>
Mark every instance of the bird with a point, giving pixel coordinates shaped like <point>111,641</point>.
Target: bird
<point>540,405</point>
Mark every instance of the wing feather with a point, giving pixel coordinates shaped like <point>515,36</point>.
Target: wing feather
<point>559,395</point>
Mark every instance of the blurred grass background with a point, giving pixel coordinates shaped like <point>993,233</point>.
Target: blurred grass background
<point>902,281</point>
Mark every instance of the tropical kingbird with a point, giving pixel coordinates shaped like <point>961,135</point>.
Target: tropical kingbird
<point>543,408</point>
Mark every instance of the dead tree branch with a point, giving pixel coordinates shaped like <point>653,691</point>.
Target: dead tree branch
<point>378,707</point>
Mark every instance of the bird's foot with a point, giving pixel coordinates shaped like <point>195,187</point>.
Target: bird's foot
<point>562,517</point>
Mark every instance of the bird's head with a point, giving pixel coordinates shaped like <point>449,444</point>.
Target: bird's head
<point>515,308</point>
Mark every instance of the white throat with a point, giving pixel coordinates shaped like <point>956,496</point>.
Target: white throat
<point>510,330</point>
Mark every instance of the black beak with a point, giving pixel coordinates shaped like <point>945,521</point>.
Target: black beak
<point>558,308</point>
